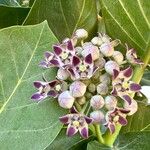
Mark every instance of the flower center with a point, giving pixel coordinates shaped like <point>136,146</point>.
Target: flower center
<point>116,118</point>
<point>125,85</point>
<point>64,55</point>
<point>82,67</point>
<point>76,123</point>
<point>58,87</point>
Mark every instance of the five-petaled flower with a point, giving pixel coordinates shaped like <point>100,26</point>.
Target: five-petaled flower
<point>46,89</point>
<point>82,68</point>
<point>116,116</point>
<point>122,86</point>
<point>76,122</point>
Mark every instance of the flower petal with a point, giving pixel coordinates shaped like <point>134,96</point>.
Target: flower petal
<point>64,119</point>
<point>52,93</point>
<point>52,84</point>
<point>71,130</point>
<point>88,59</point>
<point>73,110</point>
<point>57,49</point>
<point>128,72</point>
<point>84,132</point>
<point>54,62</point>
<point>75,60</point>
<point>135,87</point>
<point>127,98</point>
<point>122,120</point>
<point>115,73</point>
<point>88,119</point>
<point>37,97</point>
<point>38,84</point>
<point>111,127</point>
<point>69,45</point>
<point>43,64</point>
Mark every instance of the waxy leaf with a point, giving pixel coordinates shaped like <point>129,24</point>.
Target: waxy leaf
<point>63,142</point>
<point>140,121</point>
<point>129,141</point>
<point>24,124</point>
<point>65,16</point>
<point>128,21</point>
<point>10,16</point>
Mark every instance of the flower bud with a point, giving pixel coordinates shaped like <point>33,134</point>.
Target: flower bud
<point>79,50</point>
<point>118,57</point>
<point>97,116</point>
<point>81,34</point>
<point>66,100</point>
<point>110,66</point>
<point>81,100</point>
<point>62,74</point>
<point>106,49</point>
<point>88,95</point>
<point>132,107</point>
<point>91,87</point>
<point>97,41</point>
<point>97,102</point>
<point>89,48</point>
<point>102,89</point>
<point>77,89</point>
<point>100,63</point>
<point>105,78</point>
<point>110,102</point>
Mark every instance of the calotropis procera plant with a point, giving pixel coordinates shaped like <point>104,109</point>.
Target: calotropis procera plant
<point>93,82</point>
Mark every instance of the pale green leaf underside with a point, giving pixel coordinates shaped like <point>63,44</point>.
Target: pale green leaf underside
<point>128,21</point>
<point>24,124</point>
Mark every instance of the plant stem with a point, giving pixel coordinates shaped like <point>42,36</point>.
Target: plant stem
<point>98,133</point>
<point>109,138</point>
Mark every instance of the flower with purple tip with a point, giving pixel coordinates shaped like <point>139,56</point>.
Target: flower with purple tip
<point>46,89</point>
<point>82,68</point>
<point>131,56</point>
<point>76,122</point>
<point>116,116</point>
<point>122,87</point>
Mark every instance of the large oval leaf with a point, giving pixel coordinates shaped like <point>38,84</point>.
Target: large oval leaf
<point>12,15</point>
<point>25,125</point>
<point>64,16</point>
<point>128,21</point>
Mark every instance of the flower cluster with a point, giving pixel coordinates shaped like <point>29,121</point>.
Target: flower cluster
<point>90,72</point>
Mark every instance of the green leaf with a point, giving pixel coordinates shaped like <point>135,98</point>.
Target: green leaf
<point>140,121</point>
<point>65,16</point>
<point>133,141</point>
<point>10,16</point>
<point>94,145</point>
<point>146,78</point>
<point>128,21</point>
<point>10,2</point>
<point>25,125</point>
<point>63,142</point>
<point>128,141</point>
<point>31,2</point>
